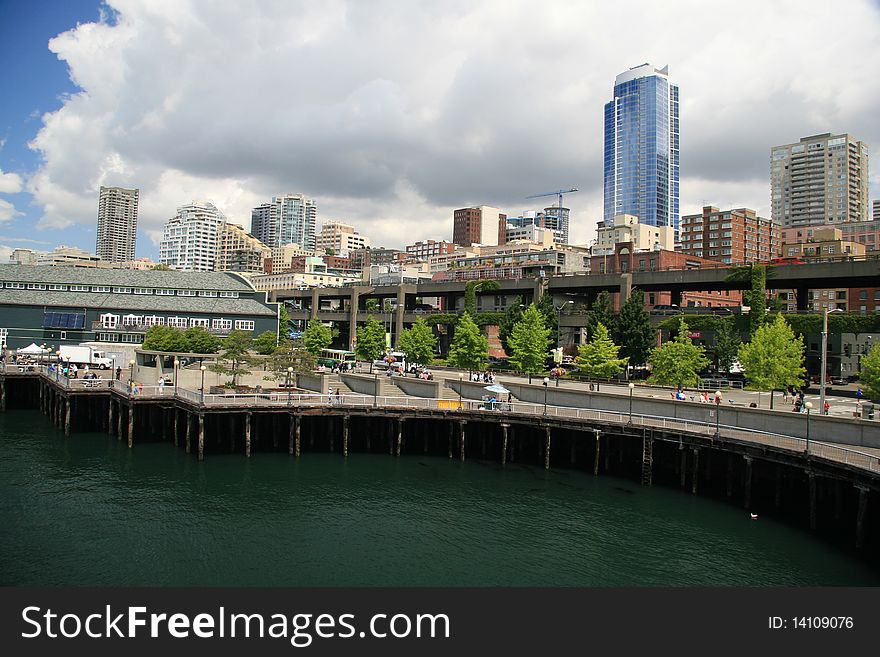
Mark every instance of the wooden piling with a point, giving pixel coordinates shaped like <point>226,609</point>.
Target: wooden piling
<point>297,432</point>
<point>67,408</point>
<point>188,432</point>
<point>547,448</point>
<point>747,484</point>
<point>201,436</point>
<point>110,417</point>
<point>696,475</point>
<point>504,443</point>
<point>596,459</point>
<point>345,436</point>
<point>290,435</point>
<point>860,517</point>
<point>130,425</point>
<point>812,478</point>
<point>247,435</point>
<point>461,426</point>
<point>399,435</point>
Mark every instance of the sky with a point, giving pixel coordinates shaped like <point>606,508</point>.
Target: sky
<point>392,113</point>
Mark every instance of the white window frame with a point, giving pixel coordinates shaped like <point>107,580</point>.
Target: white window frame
<point>207,293</point>
<point>122,290</point>
<point>165,293</point>
<point>100,288</point>
<point>244,325</point>
<point>177,322</point>
<point>199,321</point>
<point>186,293</point>
<point>132,320</point>
<point>109,320</point>
<point>143,290</point>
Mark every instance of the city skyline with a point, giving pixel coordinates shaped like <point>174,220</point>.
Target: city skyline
<point>393,145</point>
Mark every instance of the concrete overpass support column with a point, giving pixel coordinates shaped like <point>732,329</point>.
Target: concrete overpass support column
<point>747,491</point>
<point>398,314</point>
<point>860,518</point>
<point>626,285</point>
<point>316,303</point>
<point>538,290</point>
<point>803,298</point>
<point>353,318</point>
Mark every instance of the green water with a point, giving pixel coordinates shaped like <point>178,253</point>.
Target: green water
<point>89,511</point>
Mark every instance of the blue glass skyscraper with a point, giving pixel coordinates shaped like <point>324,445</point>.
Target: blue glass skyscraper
<point>641,147</point>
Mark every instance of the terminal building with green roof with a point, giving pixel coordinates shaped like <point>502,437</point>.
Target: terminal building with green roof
<point>71,305</point>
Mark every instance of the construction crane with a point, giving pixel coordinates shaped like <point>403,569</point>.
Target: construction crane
<point>558,192</point>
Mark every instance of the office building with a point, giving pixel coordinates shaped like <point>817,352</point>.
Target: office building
<point>641,156</point>
<point>288,219</point>
<point>240,251</point>
<point>626,228</point>
<point>820,179</point>
<point>117,224</point>
<point>734,237</point>
<point>340,238</point>
<point>191,239</point>
<point>863,232</point>
<point>428,249</point>
<point>478,225</point>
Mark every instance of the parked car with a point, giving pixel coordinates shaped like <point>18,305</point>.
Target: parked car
<point>665,309</point>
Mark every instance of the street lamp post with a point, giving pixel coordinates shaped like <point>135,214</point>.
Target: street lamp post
<point>631,388</point>
<point>824,356</point>
<point>809,407</point>
<point>57,365</point>
<point>176,374</point>
<point>130,372</point>
<point>717,413</point>
<point>545,382</point>
<point>202,389</point>
<point>287,383</point>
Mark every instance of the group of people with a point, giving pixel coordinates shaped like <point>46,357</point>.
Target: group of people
<point>484,377</point>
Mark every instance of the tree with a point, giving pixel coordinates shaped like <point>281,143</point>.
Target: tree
<point>289,353</point>
<point>283,323</point>
<point>774,358</point>
<point>166,338</point>
<point>265,343</point>
<point>870,372</point>
<point>600,313</point>
<point>511,317</point>
<point>633,329</point>
<point>470,348</point>
<point>678,361</point>
<point>235,354</point>
<point>551,320</point>
<point>160,267</point>
<point>418,342</point>
<point>530,342</point>
<point>200,341</point>
<point>727,344</point>
<point>370,340</point>
<point>317,336</point>
<point>598,358</point>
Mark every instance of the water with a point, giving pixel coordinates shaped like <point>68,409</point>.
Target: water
<point>89,511</point>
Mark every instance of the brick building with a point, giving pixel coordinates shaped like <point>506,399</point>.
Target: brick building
<point>734,237</point>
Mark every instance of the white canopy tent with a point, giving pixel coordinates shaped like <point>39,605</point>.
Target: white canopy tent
<point>32,350</point>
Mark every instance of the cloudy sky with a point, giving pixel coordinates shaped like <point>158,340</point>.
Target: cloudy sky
<point>391,113</point>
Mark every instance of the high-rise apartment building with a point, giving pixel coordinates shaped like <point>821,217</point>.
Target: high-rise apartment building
<point>553,219</point>
<point>288,219</point>
<point>875,215</point>
<point>191,239</point>
<point>735,237</point>
<point>117,224</point>
<point>479,225</point>
<point>340,237</point>
<point>641,158</point>
<point>820,179</point>
<point>240,251</point>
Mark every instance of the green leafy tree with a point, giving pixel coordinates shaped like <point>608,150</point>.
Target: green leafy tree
<point>727,344</point>
<point>633,330</point>
<point>317,336</point>
<point>551,320</point>
<point>371,305</point>
<point>678,361</point>
<point>511,317</point>
<point>265,343</point>
<point>166,338</point>
<point>200,341</point>
<point>470,348</point>
<point>774,358</point>
<point>235,356</point>
<point>870,372</point>
<point>161,267</point>
<point>602,312</point>
<point>418,342</point>
<point>370,340</point>
<point>283,322</point>
<point>289,353</point>
<point>530,342</point>
<point>598,358</point>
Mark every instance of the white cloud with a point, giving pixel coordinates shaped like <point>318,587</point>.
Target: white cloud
<point>7,210</point>
<point>10,183</point>
<point>393,113</point>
